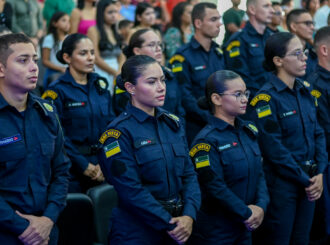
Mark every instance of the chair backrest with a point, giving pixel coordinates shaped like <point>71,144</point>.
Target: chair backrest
<point>76,221</point>
<point>104,198</point>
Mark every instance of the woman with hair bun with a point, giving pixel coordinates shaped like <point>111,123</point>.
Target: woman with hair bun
<point>292,143</point>
<point>144,155</point>
<point>84,107</point>
<point>228,162</point>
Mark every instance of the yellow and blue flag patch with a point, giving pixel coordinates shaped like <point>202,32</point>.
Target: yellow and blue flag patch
<point>264,111</point>
<point>202,161</point>
<point>112,149</point>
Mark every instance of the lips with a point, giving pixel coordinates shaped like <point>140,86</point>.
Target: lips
<point>162,97</point>
<point>33,78</point>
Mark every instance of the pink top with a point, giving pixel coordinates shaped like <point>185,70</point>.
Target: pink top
<point>84,25</point>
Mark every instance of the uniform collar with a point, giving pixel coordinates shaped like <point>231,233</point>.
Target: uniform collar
<point>195,44</point>
<point>68,78</point>
<point>140,115</point>
<point>324,73</point>
<point>3,102</point>
<point>250,29</point>
<point>222,125</point>
<point>279,85</point>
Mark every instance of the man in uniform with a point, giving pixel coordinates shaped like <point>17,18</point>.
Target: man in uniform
<point>244,52</point>
<point>33,167</point>
<point>300,23</point>
<point>196,61</point>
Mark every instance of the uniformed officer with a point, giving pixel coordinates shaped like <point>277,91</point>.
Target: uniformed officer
<point>300,22</point>
<point>85,108</point>
<point>145,157</point>
<point>195,61</point>
<point>292,143</point>
<point>228,162</point>
<point>147,42</point>
<point>244,52</point>
<point>33,166</point>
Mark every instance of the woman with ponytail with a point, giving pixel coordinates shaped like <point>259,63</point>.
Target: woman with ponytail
<point>228,162</point>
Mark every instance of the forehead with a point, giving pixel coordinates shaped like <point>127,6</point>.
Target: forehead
<point>19,49</point>
<point>236,84</point>
<point>294,43</point>
<point>304,17</point>
<point>150,36</point>
<point>152,70</point>
<point>210,13</point>
<point>148,11</point>
<point>84,43</point>
<point>260,3</point>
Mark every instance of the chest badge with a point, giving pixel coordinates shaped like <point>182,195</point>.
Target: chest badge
<point>10,140</point>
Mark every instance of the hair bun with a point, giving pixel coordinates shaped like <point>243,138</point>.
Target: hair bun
<point>120,83</point>
<point>268,67</point>
<point>59,56</point>
<point>203,103</point>
<point>128,51</point>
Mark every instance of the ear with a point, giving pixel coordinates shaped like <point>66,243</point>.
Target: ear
<point>277,61</point>
<point>216,99</point>
<point>198,23</point>
<point>324,50</point>
<point>130,88</point>
<point>2,70</point>
<point>293,27</point>
<point>66,58</point>
<point>251,9</point>
<point>138,17</point>
<point>136,51</point>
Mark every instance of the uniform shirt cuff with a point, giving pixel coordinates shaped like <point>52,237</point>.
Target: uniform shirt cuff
<point>52,211</point>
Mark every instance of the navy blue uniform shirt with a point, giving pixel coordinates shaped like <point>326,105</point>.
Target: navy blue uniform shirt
<point>33,166</point>
<point>146,159</point>
<point>244,54</point>
<point>311,62</point>
<point>84,111</point>
<point>289,131</point>
<point>228,163</point>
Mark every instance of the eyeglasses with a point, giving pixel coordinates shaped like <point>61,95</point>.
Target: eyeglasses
<point>153,45</point>
<point>240,95</point>
<point>299,54</point>
<point>307,23</point>
<point>279,13</point>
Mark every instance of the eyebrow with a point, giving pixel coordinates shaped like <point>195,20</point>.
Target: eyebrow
<point>155,77</point>
<point>27,55</point>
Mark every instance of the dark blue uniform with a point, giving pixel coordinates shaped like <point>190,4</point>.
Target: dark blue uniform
<point>173,99</point>
<point>146,159</point>
<point>293,149</point>
<point>192,66</point>
<point>84,111</point>
<point>244,54</point>
<point>33,167</point>
<point>228,163</point>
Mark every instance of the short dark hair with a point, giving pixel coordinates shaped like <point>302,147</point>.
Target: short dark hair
<point>216,83</point>
<point>198,11</point>
<point>276,45</point>
<point>322,36</point>
<point>69,45</point>
<point>293,15</point>
<point>9,39</point>
<point>132,69</point>
<point>275,4</point>
<point>135,41</point>
<point>124,23</point>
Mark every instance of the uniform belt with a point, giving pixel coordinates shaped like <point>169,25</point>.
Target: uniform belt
<point>309,167</point>
<point>173,206</point>
<point>88,150</point>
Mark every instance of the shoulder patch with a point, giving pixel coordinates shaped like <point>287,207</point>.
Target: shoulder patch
<point>177,57</point>
<point>306,84</point>
<point>202,161</point>
<point>259,97</point>
<point>48,107</point>
<point>112,149</point>
<point>317,94</point>
<point>49,94</point>
<point>111,133</point>
<point>199,147</point>
<point>253,128</point>
<point>233,44</point>
<point>264,111</point>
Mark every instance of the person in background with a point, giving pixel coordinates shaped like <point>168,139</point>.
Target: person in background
<point>144,155</point>
<point>161,13</point>
<point>84,107</point>
<point>6,14</point>
<point>277,19</point>
<point>57,30</point>
<point>321,15</point>
<point>124,27</point>
<point>312,6</point>
<point>83,16</point>
<point>4,30</point>
<point>232,19</point>
<point>34,168</point>
<point>127,10</point>
<point>180,30</point>
<point>27,19</point>
<point>291,141</point>
<point>287,6</point>
<point>107,41</point>
<point>53,6</point>
<point>300,23</point>
<point>228,161</point>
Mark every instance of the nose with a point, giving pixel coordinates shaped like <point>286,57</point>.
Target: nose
<point>34,67</point>
<point>161,85</point>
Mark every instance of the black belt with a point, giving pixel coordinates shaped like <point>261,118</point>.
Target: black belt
<point>309,167</point>
<point>88,150</point>
<point>173,206</point>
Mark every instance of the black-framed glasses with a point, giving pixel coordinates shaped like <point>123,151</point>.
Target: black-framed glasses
<point>154,45</point>
<point>307,23</point>
<point>299,54</point>
<point>239,95</point>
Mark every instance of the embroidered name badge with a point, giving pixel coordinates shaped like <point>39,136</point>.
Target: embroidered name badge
<point>112,149</point>
<point>264,111</point>
<point>254,45</point>
<point>75,104</point>
<point>49,94</point>
<point>111,133</point>
<point>259,97</point>
<point>197,68</point>
<point>227,146</point>
<point>199,147</point>
<point>11,139</point>
<point>288,113</point>
<point>202,161</point>
<point>143,142</point>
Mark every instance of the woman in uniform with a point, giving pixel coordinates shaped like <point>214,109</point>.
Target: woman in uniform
<point>291,141</point>
<point>228,162</point>
<point>145,157</point>
<point>84,107</point>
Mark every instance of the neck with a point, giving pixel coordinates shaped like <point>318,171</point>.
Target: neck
<point>204,41</point>
<point>259,27</point>
<point>149,110</point>
<point>272,27</point>
<point>225,117</point>
<point>286,78</point>
<point>61,35</point>
<point>80,78</point>
<point>235,6</point>
<point>144,26</point>
<point>185,27</point>
<point>88,5</point>
<point>16,99</point>
<point>324,63</point>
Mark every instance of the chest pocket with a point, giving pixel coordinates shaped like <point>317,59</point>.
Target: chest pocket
<point>256,57</point>
<point>151,163</point>
<point>290,122</point>
<point>234,164</point>
<point>180,155</point>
